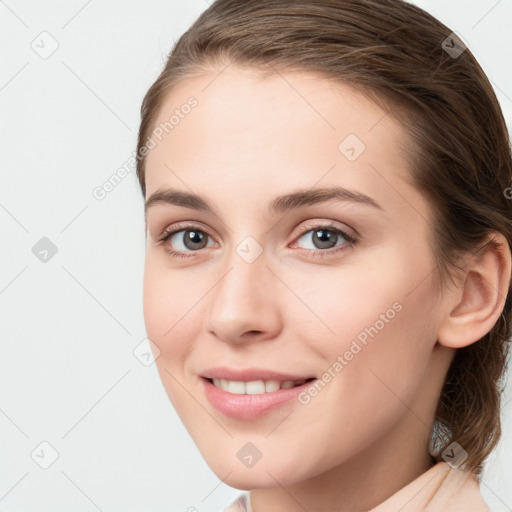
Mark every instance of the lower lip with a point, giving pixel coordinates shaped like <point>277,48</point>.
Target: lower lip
<point>249,407</point>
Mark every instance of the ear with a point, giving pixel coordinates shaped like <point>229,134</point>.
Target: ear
<point>475,307</point>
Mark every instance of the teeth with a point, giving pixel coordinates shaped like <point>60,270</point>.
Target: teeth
<point>255,387</point>
<point>272,385</point>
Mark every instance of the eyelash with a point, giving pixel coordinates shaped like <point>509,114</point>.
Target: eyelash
<point>351,240</point>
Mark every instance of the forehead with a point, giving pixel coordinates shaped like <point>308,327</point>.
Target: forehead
<point>243,103</point>
<point>273,133</point>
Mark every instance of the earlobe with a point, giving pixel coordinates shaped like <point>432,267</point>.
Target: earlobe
<point>475,307</point>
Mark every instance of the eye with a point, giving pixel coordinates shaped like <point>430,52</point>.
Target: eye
<point>184,239</point>
<point>322,238</point>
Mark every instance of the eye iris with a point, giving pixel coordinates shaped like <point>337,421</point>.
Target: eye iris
<point>194,237</point>
<point>327,238</point>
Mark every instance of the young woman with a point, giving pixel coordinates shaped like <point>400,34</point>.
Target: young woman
<point>328,258</point>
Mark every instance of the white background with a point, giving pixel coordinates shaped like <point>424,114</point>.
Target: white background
<point>69,326</point>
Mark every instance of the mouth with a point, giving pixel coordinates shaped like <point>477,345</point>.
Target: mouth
<point>256,387</point>
<point>250,400</point>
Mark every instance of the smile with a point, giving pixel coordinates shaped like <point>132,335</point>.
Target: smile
<point>252,399</point>
<point>255,387</point>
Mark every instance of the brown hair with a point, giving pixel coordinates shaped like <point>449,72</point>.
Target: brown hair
<point>398,55</point>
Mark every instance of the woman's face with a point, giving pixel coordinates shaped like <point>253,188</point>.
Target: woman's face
<point>264,282</point>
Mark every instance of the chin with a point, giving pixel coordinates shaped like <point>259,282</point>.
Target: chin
<point>246,481</point>
<point>263,475</point>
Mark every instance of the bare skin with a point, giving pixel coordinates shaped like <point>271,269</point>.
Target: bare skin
<point>365,434</point>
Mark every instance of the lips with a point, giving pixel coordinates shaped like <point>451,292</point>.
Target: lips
<point>249,393</point>
<point>241,405</point>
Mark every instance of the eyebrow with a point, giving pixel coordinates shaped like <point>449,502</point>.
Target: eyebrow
<point>280,204</point>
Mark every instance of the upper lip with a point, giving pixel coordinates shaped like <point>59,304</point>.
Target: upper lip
<point>250,374</point>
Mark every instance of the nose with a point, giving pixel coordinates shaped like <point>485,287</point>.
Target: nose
<point>244,306</point>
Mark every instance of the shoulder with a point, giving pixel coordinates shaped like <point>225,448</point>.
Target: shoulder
<point>442,487</point>
<point>459,490</point>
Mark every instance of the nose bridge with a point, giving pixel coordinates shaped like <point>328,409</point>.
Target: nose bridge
<point>242,301</point>
<point>245,269</point>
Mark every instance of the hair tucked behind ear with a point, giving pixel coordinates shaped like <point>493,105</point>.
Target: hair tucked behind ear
<point>460,160</point>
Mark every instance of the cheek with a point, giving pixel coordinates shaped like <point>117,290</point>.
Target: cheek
<point>171,308</point>
<point>373,322</point>
<point>374,364</point>
<point>383,301</point>
<point>337,307</point>
<point>385,337</point>
<point>171,319</point>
